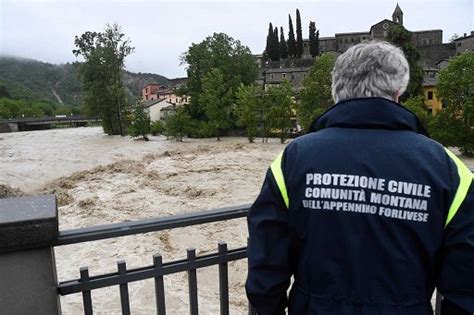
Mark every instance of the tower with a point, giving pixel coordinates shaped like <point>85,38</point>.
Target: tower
<point>397,15</point>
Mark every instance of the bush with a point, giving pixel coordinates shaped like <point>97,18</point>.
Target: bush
<point>417,106</point>
<point>157,128</point>
<point>179,125</point>
<point>140,122</point>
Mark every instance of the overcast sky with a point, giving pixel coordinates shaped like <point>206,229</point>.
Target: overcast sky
<point>162,30</point>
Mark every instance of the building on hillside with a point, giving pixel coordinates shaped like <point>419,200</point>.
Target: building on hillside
<point>149,91</point>
<point>295,75</point>
<point>292,70</point>
<point>434,55</point>
<point>154,108</point>
<point>342,41</point>
<point>154,91</point>
<point>465,43</point>
<point>170,95</point>
<point>432,102</point>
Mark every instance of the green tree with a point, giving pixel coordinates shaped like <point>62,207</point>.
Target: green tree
<point>316,93</point>
<point>276,45</point>
<point>11,108</point>
<point>5,109</point>
<point>60,110</point>
<point>219,51</point>
<point>403,38</point>
<point>418,107</point>
<point>270,42</point>
<point>4,92</point>
<point>247,110</point>
<point>281,109</point>
<point>217,99</point>
<point>101,75</point>
<point>299,35</point>
<point>283,47</point>
<point>445,128</point>
<point>291,38</point>
<point>313,40</point>
<point>140,124</point>
<point>456,91</point>
<point>31,111</point>
<point>178,125</point>
<point>158,128</point>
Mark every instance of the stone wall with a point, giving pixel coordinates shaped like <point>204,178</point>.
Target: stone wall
<point>293,75</point>
<point>433,54</point>
<point>465,43</point>
<point>427,38</point>
<point>327,44</point>
<point>346,40</point>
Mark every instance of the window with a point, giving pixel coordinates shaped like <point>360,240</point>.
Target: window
<point>430,95</point>
<point>271,76</point>
<point>283,75</point>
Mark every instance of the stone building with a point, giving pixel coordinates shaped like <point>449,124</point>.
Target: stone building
<point>433,52</point>
<point>465,43</point>
<point>342,41</point>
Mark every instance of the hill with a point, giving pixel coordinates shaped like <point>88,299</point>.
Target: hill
<point>30,79</point>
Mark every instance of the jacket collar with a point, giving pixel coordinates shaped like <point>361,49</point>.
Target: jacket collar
<point>369,113</point>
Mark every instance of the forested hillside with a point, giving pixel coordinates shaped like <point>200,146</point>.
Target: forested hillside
<point>29,79</point>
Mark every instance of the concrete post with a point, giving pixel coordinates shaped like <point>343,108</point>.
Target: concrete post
<point>28,226</point>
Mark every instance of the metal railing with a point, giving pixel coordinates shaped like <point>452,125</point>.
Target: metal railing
<point>105,231</point>
<point>157,270</point>
<point>50,119</point>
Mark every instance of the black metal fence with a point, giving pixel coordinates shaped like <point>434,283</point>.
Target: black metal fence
<point>157,270</point>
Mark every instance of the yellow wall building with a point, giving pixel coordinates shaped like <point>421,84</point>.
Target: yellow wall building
<point>432,102</point>
<point>431,99</point>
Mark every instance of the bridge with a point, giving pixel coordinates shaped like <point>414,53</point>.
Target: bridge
<point>41,123</point>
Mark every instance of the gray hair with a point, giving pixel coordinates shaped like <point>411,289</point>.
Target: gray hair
<point>370,69</point>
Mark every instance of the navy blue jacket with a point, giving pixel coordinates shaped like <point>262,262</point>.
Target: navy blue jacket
<point>368,215</point>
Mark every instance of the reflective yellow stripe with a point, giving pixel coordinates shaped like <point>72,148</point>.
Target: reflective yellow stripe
<point>465,179</point>
<point>280,179</point>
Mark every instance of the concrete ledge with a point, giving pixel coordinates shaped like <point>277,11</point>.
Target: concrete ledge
<point>28,222</point>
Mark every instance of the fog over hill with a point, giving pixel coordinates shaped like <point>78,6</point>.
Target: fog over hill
<point>32,79</point>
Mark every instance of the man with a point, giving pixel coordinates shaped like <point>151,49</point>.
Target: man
<point>366,212</point>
